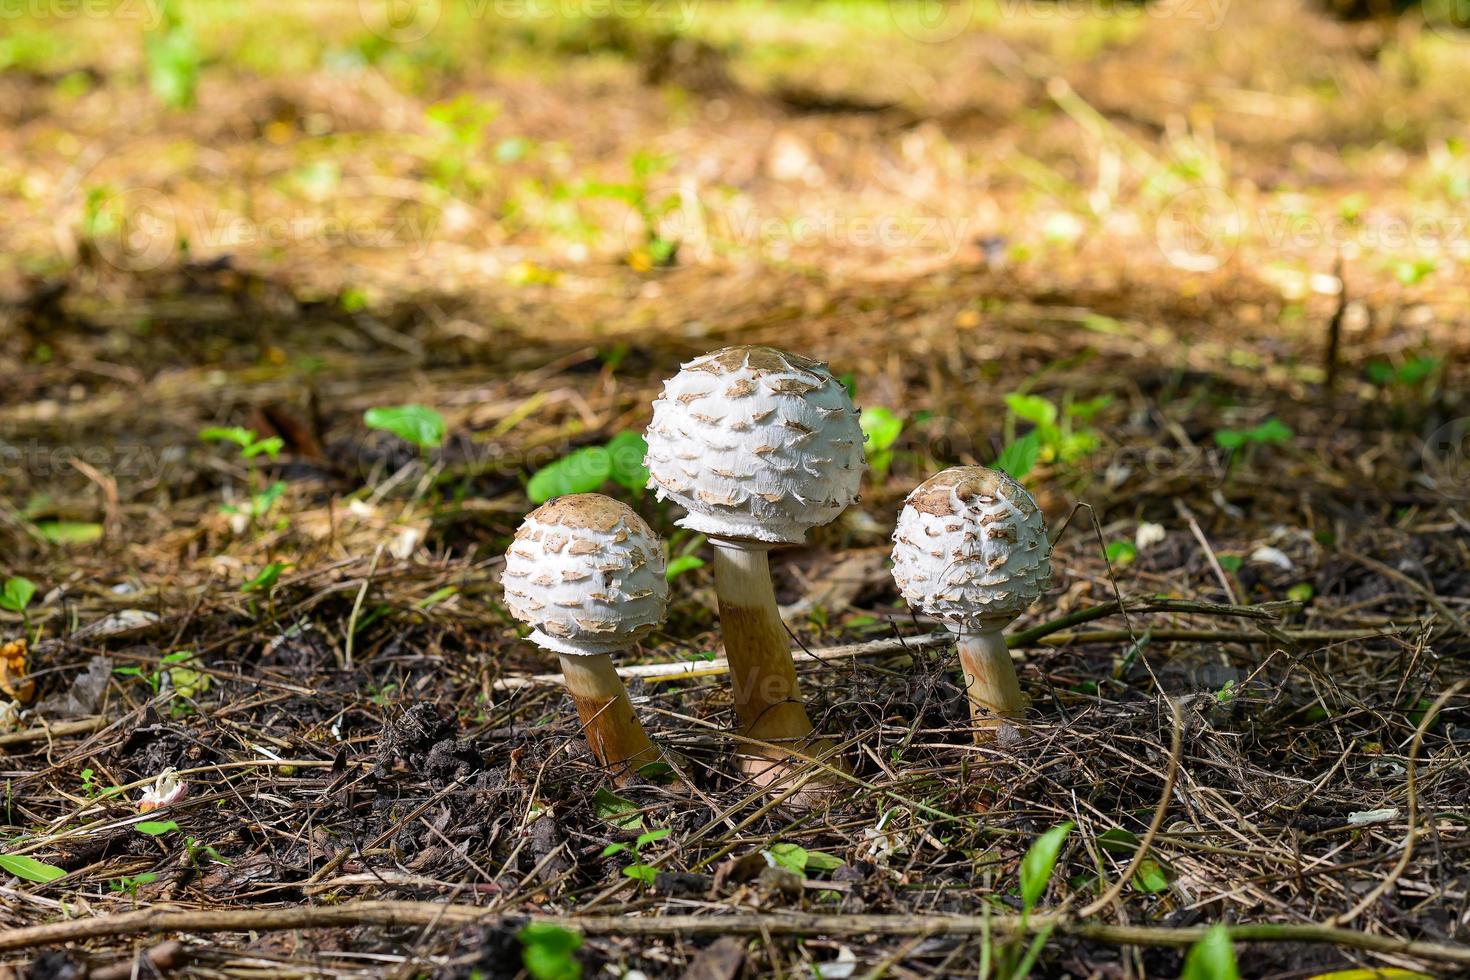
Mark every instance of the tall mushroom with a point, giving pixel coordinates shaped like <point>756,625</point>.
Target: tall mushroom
<point>588,575</point>
<point>971,550</point>
<point>758,446</point>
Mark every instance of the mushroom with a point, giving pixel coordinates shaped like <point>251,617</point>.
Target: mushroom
<point>587,574</point>
<point>758,446</point>
<point>971,550</point>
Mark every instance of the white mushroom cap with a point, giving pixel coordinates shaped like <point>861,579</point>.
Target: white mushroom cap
<point>587,573</point>
<point>755,444</point>
<point>971,549</point>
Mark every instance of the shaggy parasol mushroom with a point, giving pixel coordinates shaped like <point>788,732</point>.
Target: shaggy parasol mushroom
<point>588,574</point>
<point>971,550</point>
<point>758,446</point>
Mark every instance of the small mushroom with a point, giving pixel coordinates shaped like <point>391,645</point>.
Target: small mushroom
<point>758,446</point>
<point>587,574</point>
<point>971,550</point>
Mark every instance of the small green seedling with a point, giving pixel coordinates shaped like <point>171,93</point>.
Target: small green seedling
<point>1037,867</point>
<point>128,884</point>
<point>199,852</point>
<point>175,672</point>
<point>248,440</point>
<point>1410,374</point>
<point>251,447</point>
<point>16,597</point>
<point>1272,432</point>
<point>265,579</point>
<point>1057,434</point>
<point>638,870</point>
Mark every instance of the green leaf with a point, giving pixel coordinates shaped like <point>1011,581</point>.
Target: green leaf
<point>270,447</point>
<point>1231,563</point>
<point>1417,370</point>
<point>1151,877</point>
<point>546,951</point>
<point>1271,431</point>
<point>417,424</point>
<point>69,532</point>
<point>1122,552</point>
<point>173,61</point>
<point>156,828</point>
<point>1379,373</point>
<point>1229,439</point>
<point>30,869</point>
<point>881,427</point>
<point>18,594</point>
<point>262,502</point>
<point>265,578</point>
<point>580,472</point>
<point>240,436</point>
<point>1118,840</point>
<point>1019,457</point>
<point>1032,408</point>
<point>626,452</point>
<point>684,563</point>
<point>651,836</point>
<point>615,810</point>
<point>641,872</point>
<point>1301,592</point>
<point>1088,409</point>
<point>1039,862</point>
<point>817,861</point>
<point>792,857</point>
<point>1212,958</point>
<point>612,849</point>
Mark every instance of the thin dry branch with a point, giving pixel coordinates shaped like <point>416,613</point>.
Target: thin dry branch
<point>397,914</point>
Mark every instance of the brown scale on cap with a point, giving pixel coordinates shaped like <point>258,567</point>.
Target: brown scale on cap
<point>758,359</point>
<point>592,511</point>
<point>936,495</point>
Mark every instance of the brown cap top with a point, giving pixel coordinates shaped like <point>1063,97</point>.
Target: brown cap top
<point>964,484</point>
<point>759,359</point>
<point>592,511</point>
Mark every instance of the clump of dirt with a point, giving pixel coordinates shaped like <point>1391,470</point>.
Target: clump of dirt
<point>425,741</point>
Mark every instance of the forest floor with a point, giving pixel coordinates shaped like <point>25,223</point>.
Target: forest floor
<point>1209,258</point>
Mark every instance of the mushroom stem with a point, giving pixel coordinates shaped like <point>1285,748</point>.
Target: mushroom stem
<point>767,696</point>
<point>612,728</point>
<point>991,684</point>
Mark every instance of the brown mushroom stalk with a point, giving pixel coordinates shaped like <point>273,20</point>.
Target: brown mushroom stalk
<point>613,730</point>
<point>991,684</point>
<point>767,693</point>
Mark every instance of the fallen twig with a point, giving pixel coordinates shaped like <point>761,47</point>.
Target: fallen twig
<point>1054,633</point>
<point>159,920</point>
